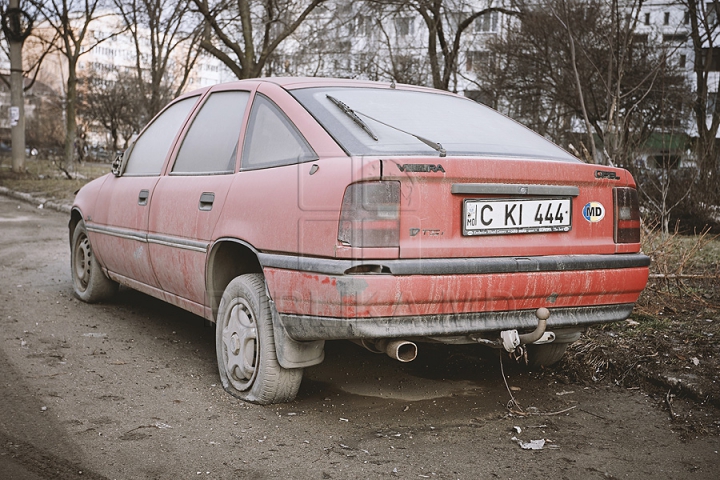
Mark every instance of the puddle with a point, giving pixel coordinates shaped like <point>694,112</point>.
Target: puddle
<point>410,390</point>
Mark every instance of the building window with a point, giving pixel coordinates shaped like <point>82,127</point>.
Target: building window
<point>712,11</point>
<point>675,38</point>
<point>487,23</point>
<point>403,26</point>
<point>686,18</point>
<point>647,19</point>
<point>666,18</point>
<point>683,60</point>
<point>364,25</point>
<point>477,59</point>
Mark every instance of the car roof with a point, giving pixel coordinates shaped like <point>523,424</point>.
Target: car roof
<point>293,83</point>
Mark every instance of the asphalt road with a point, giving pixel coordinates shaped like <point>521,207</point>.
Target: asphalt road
<point>129,390</point>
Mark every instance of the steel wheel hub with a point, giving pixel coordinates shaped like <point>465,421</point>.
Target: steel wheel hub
<point>240,341</point>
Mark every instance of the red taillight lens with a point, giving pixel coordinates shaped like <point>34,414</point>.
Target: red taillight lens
<point>627,215</point>
<point>370,215</point>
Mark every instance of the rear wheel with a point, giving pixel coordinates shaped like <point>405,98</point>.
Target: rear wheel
<point>245,346</point>
<point>89,281</point>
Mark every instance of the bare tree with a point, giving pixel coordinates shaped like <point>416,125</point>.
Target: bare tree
<point>117,105</point>
<point>33,56</point>
<point>69,21</point>
<point>446,22</point>
<point>583,60</point>
<point>704,31</point>
<point>243,34</point>
<point>165,47</point>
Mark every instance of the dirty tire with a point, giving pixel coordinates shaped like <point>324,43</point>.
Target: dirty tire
<point>545,355</point>
<point>89,281</point>
<point>245,346</point>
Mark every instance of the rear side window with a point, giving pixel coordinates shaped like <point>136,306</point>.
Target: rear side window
<point>272,140</point>
<point>210,146</point>
<point>147,156</point>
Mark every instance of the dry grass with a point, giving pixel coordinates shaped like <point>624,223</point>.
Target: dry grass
<point>43,178</point>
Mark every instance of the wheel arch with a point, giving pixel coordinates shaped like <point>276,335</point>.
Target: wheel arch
<point>75,217</point>
<point>228,258</point>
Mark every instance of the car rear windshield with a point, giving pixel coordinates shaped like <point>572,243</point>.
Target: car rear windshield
<point>397,117</point>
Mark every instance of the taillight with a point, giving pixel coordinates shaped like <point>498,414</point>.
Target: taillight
<point>627,215</point>
<point>370,215</point>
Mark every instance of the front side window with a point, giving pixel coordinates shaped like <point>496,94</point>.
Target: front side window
<point>272,140</point>
<point>147,156</point>
<point>210,145</point>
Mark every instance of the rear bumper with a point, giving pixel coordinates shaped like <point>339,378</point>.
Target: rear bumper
<point>316,300</point>
<point>305,328</point>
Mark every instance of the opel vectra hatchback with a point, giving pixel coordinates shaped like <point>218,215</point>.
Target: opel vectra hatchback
<point>294,211</point>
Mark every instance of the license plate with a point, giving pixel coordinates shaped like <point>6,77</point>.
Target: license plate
<point>500,217</point>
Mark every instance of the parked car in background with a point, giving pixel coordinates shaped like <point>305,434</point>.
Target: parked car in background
<point>294,211</point>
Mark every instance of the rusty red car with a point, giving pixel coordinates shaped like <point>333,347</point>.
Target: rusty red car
<point>292,211</point>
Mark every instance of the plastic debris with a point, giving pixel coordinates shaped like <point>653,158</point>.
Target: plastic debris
<point>695,361</point>
<point>531,445</point>
<point>517,429</point>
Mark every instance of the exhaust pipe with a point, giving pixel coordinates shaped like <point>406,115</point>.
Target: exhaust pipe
<point>400,350</point>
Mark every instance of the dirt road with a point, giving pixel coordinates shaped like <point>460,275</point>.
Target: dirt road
<point>129,390</point>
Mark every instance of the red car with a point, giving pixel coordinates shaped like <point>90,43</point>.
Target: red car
<point>293,211</point>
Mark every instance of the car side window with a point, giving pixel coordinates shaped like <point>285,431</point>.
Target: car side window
<point>271,139</point>
<point>148,154</point>
<point>210,145</point>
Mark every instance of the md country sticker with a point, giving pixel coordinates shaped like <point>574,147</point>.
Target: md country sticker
<point>593,212</point>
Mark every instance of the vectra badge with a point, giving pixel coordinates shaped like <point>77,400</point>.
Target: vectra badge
<point>421,167</point>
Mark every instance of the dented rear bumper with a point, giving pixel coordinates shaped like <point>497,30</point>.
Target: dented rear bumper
<point>304,328</point>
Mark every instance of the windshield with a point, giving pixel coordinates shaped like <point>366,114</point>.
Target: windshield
<point>397,117</point>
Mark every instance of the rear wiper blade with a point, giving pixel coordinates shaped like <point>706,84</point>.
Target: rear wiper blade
<point>434,145</point>
<point>351,113</point>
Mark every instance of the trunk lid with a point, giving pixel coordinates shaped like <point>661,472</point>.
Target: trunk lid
<point>441,197</point>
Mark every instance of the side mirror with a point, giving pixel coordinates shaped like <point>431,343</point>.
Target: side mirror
<point>117,164</point>
<point>120,161</point>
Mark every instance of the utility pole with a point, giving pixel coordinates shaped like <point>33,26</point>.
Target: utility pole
<point>16,25</point>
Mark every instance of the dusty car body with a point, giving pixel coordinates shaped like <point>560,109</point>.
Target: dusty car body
<point>294,211</point>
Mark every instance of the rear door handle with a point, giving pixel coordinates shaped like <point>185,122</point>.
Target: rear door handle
<point>143,197</point>
<point>206,201</point>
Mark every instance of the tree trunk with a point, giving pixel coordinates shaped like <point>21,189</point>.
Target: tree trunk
<point>71,114</point>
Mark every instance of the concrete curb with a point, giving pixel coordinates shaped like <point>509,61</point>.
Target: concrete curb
<point>39,201</point>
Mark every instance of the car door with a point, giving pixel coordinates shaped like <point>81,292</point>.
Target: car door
<point>119,225</point>
<point>188,200</point>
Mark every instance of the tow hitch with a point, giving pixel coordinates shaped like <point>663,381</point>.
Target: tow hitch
<point>511,339</point>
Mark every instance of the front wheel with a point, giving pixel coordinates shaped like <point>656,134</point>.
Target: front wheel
<point>245,346</point>
<point>89,281</point>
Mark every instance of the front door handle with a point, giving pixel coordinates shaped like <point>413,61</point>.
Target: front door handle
<point>206,201</point>
<point>143,197</point>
